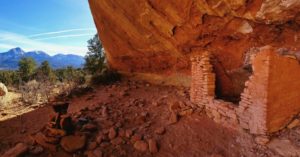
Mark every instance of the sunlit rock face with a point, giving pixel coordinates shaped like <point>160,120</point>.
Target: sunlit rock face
<point>3,90</point>
<point>160,36</point>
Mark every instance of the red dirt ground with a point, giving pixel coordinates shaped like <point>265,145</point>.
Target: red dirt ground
<point>143,108</point>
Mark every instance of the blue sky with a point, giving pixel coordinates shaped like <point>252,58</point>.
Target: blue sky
<point>54,26</point>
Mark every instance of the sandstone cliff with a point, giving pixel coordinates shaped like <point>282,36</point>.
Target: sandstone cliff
<point>159,36</point>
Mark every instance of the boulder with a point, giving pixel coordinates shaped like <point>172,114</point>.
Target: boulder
<point>3,90</point>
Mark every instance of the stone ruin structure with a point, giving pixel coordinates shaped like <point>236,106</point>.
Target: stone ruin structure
<point>155,39</point>
<point>269,101</point>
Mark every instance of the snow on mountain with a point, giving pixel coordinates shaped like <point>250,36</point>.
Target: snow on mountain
<point>10,59</point>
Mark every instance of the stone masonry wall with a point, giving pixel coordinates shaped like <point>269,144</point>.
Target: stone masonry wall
<point>203,91</point>
<point>251,111</point>
<point>203,80</point>
<point>250,114</point>
<point>269,101</point>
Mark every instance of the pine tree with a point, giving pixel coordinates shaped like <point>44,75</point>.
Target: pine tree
<point>45,72</point>
<point>27,67</point>
<point>95,58</point>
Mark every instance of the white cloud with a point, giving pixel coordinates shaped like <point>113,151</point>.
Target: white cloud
<point>6,46</point>
<point>10,40</point>
<point>63,31</point>
<point>66,36</point>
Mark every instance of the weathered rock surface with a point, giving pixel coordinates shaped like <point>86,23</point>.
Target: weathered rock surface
<point>141,146</point>
<point>294,123</point>
<point>158,36</point>
<point>16,151</point>
<point>3,90</point>
<point>284,147</point>
<point>73,143</point>
<point>112,133</point>
<point>152,146</point>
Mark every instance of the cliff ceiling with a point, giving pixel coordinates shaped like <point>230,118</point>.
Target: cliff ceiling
<point>159,36</point>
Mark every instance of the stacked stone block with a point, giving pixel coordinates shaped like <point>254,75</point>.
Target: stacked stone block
<point>203,79</point>
<point>251,112</point>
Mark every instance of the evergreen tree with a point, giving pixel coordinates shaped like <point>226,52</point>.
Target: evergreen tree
<point>95,58</point>
<point>45,72</point>
<point>27,67</point>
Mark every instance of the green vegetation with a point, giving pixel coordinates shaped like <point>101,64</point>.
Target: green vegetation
<point>95,66</point>
<point>45,73</point>
<point>70,74</point>
<point>95,58</point>
<point>27,67</point>
<point>9,78</point>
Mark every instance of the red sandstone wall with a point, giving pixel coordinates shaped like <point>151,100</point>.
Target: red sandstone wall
<point>159,36</point>
<point>283,93</point>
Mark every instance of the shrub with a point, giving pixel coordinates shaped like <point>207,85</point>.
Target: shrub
<point>106,77</point>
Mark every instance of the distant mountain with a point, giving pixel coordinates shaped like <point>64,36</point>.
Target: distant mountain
<point>10,59</point>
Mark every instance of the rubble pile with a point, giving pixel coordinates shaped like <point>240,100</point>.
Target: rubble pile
<point>112,128</point>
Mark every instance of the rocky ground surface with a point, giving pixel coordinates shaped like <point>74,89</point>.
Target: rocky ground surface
<point>134,119</point>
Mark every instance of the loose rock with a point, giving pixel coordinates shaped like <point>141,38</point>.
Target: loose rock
<point>186,112</point>
<point>173,118</point>
<point>121,132</point>
<point>128,133</point>
<point>141,146</point>
<point>36,150</point>
<point>117,141</point>
<point>160,130</point>
<point>40,139</point>
<point>99,138</point>
<point>262,140</point>
<point>73,143</point>
<point>135,137</point>
<point>89,127</point>
<point>152,146</point>
<point>174,107</point>
<point>92,146</point>
<point>112,133</point>
<point>97,152</point>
